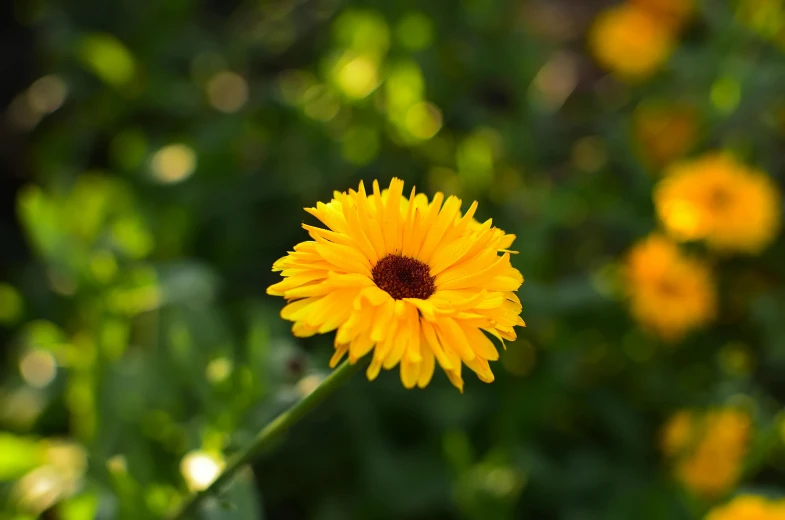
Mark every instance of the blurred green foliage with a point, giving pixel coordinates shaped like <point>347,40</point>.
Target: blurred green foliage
<point>172,146</point>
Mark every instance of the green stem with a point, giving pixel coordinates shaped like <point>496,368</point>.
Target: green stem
<point>263,439</point>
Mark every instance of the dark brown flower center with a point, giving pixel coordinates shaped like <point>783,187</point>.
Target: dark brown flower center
<point>403,277</point>
<point>669,289</point>
<point>719,199</point>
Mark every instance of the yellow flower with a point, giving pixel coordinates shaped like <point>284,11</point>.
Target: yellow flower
<point>673,13</point>
<point>708,449</point>
<point>748,507</point>
<point>669,292</point>
<point>716,198</point>
<point>678,432</point>
<point>630,42</point>
<point>414,281</point>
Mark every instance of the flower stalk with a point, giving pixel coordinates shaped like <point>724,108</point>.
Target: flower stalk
<point>267,435</point>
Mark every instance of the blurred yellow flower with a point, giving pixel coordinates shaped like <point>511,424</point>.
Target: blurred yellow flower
<point>629,42</point>
<point>669,292</point>
<point>671,12</point>
<point>707,449</point>
<point>414,281</point>
<point>749,507</point>
<point>664,132</point>
<point>677,433</point>
<point>716,198</point>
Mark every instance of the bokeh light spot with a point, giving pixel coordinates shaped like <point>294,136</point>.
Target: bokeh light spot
<point>47,94</point>
<point>38,368</point>
<point>555,81</point>
<point>61,476</point>
<point>357,76</point>
<point>173,163</point>
<point>200,469</point>
<point>227,92</point>
<point>218,370</point>
<point>38,490</point>
<point>423,120</point>
<point>107,58</point>
<point>117,464</point>
<point>21,114</point>
<point>21,408</point>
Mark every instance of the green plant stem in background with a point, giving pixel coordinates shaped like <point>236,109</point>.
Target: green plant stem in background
<point>263,439</point>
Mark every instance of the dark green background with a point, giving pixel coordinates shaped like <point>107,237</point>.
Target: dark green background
<point>569,430</point>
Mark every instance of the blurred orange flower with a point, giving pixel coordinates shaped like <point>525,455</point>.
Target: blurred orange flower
<point>671,12</point>
<point>664,132</point>
<point>630,42</point>
<point>749,507</point>
<point>716,198</point>
<point>669,292</point>
<point>707,449</point>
